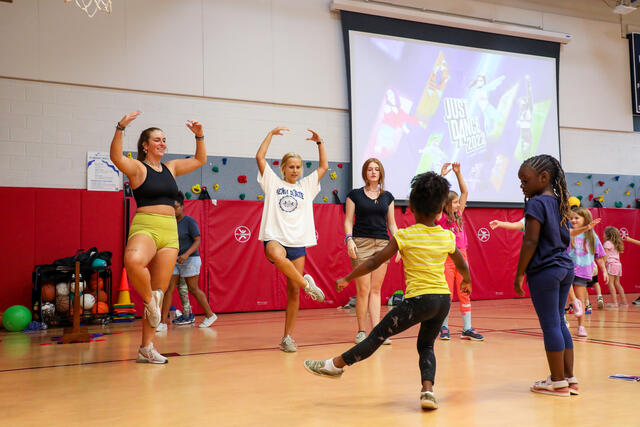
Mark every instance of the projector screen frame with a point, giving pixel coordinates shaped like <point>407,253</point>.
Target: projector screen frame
<point>353,21</point>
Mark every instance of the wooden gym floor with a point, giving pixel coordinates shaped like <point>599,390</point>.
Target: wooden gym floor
<point>233,374</point>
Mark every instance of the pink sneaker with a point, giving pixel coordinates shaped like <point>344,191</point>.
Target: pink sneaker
<point>552,388</point>
<point>578,310</point>
<point>582,332</point>
<point>573,386</point>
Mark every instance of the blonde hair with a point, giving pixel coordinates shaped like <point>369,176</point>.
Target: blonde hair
<point>365,166</point>
<point>613,235</point>
<point>451,215</point>
<point>590,235</point>
<point>286,158</point>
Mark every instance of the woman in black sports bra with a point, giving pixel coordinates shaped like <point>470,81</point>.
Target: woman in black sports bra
<point>153,236</point>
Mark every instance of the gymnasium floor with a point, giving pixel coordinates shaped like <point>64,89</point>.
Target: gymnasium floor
<point>232,374</point>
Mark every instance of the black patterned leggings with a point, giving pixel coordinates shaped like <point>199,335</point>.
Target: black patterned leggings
<point>429,310</point>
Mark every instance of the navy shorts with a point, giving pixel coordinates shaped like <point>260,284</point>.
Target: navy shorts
<point>292,252</point>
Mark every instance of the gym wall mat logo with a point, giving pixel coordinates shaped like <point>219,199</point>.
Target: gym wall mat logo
<point>483,235</point>
<point>242,234</point>
<point>624,233</point>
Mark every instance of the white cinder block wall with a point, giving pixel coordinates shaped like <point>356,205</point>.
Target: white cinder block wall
<point>243,67</point>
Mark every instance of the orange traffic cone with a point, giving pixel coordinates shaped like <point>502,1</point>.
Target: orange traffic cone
<point>124,298</point>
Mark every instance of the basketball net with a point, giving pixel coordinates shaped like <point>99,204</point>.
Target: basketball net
<point>91,7</point>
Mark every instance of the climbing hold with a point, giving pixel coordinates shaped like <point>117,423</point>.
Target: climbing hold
<point>325,198</point>
<point>580,198</point>
<point>628,193</point>
<point>216,187</point>
<point>308,165</point>
<point>333,175</point>
<point>187,195</point>
<point>579,183</point>
<point>242,179</point>
<point>276,162</point>
<point>633,184</point>
<point>335,192</point>
<point>606,191</point>
<point>601,198</point>
<point>196,189</point>
<point>215,169</point>
<point>600,183</point>
<point>260,197</point>
<point>129,155</point>
<point>242,196</point>
<point>589,176</point>
<point>617,177</point>
<point>618,204</point>
<point>590,197</point>
<point>224,160</point>
<point>340,165</point>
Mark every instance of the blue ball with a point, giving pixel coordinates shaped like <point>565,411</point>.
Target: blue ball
<point>98,263</point>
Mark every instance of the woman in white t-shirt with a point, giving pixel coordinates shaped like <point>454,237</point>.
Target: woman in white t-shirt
<point>287,225</point>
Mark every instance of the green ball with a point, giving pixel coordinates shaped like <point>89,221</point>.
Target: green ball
<point>16,318</point>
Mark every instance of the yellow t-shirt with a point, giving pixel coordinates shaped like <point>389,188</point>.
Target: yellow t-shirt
<point>424,251</point>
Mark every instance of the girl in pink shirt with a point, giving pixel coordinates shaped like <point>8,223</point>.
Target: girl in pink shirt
<point>452,220</point>
<point>613,246</point>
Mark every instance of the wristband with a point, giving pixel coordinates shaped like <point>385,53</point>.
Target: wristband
<point>319,142</point>
<point>119,126</point>
<point>200,138</point>
<point>349,236</point>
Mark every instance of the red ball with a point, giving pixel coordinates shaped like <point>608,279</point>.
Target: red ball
<point>48,292</point>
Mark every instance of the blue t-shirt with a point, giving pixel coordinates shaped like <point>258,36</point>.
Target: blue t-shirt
<point>554,238</point>
<point>187,231</point>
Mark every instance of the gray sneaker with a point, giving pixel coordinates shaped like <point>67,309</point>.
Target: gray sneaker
<point>150,355</point>
<point>317,367</point>
<point>360,337</point>
<point>153,309</point>
<point>312,290</point>
<point>428,400</point>
<point>288,345</point>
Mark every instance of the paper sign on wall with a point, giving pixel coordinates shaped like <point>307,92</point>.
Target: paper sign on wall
<point>102,174</point>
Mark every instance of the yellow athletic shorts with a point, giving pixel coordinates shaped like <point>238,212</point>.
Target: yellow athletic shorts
<point>163,229</point>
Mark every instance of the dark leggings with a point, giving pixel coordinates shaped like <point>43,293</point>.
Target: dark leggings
<point>429,310</point>
<point>549,289</point>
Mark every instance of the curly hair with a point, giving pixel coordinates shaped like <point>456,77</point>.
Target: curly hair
<point>551,165</point>
<point>429,193</point>
<point>613,235</point>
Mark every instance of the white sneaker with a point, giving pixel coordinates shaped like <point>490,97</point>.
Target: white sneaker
<point>153,309</point>
<point>208,321</point>
<point>387,342</point>
<point>312,290</point>
<point>150,355</point>
<point>162,327</point>
<point>360,336</point>
<point>288,345</point>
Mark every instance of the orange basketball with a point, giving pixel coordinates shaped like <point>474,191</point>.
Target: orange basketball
<point>101,308</point>
<point>62,304</point>
<point>100,283</point>
<point>48,292</point>
<point>102,295</point>
<point>93,282</point>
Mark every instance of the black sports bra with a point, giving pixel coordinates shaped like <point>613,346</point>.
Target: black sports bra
<point>159,188</point>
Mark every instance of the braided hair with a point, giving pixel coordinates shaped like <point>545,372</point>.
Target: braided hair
<point>551,165</point>
<point>429,193</point>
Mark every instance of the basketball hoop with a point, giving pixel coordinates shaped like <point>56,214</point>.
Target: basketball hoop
<point>91,7</point>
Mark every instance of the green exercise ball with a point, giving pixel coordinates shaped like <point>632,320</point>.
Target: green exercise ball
<point>16,318</point>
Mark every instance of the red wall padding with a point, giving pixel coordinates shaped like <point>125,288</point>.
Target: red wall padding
<point>40,225</point>
<point>45,224</point>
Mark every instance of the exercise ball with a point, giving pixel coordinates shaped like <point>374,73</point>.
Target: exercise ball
<point>16,318</point>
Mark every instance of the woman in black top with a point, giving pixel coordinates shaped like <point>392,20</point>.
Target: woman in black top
<point>153,237</point>
<point>373,209</point>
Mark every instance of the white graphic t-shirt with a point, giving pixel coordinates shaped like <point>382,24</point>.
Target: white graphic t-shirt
<point>287,216</point>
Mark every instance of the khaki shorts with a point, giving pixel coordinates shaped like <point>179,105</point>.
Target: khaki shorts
<point>367,247</point>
